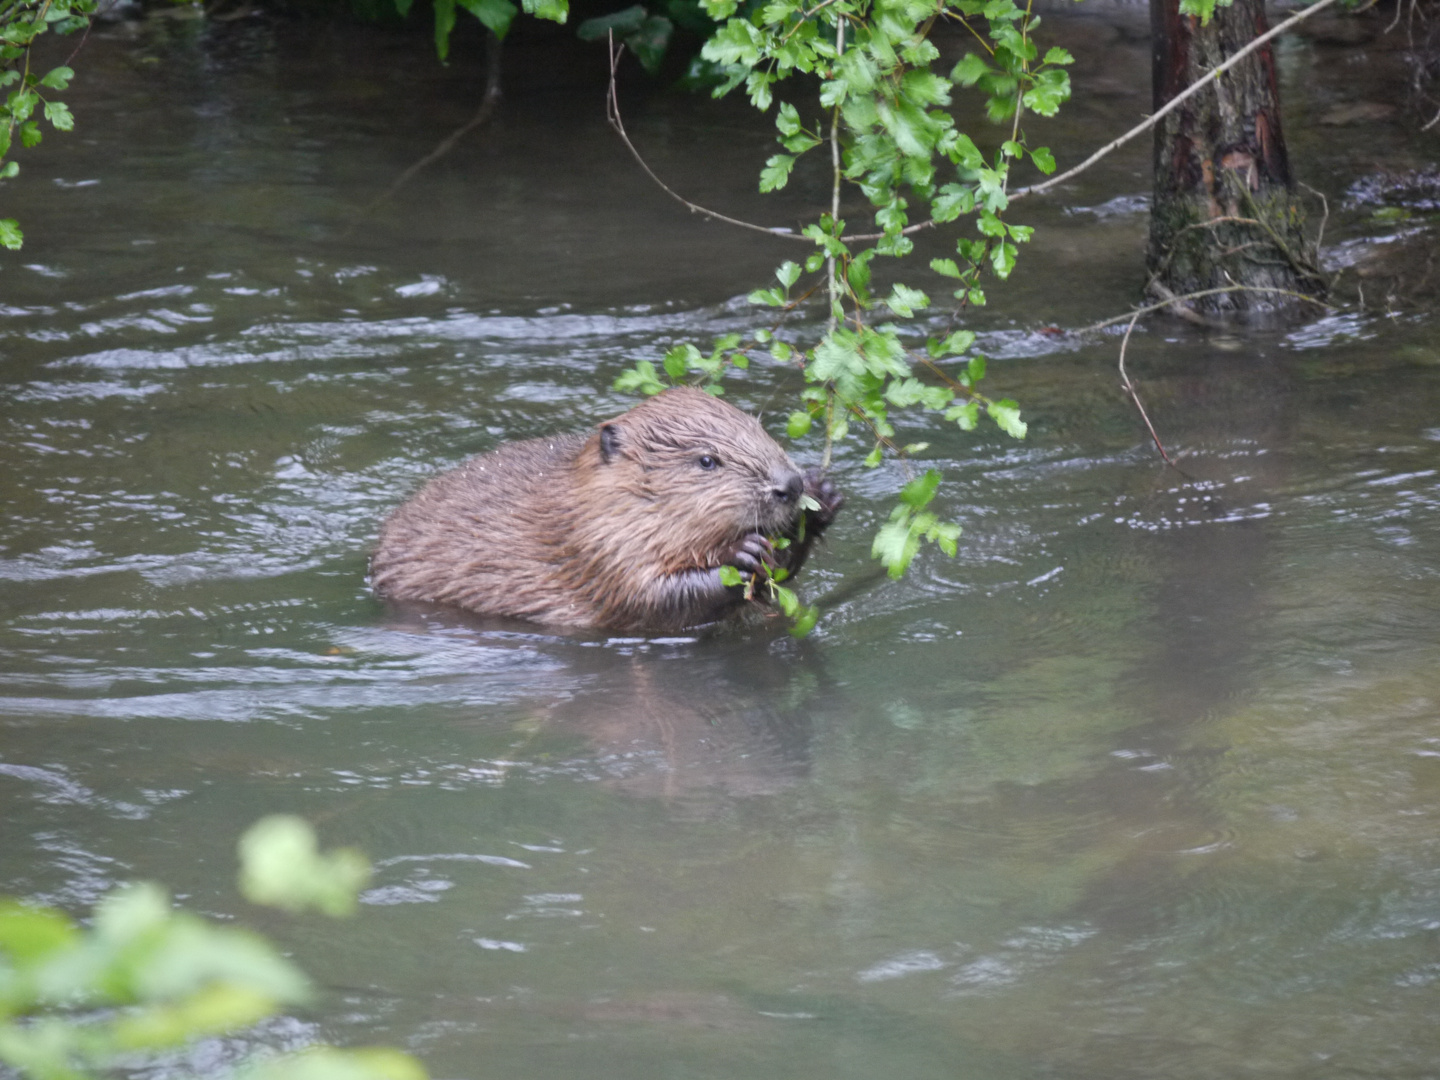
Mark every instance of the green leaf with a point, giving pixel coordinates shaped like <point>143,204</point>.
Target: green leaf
<point>30,133</point>
<point>621,22</point>
<point>1051,90</point>
<point>918,492</point>
<point>895,544</point>
<point>641,378</point>
<point>327,1063</point>
<point>554,10</point>
<point>905,301</point>
<point>952,201</point>
<point>28,933</point>
<point>1058,55</point>
<point>781,351</point>
<point>776,172</point>
<point>10,168</point>
<point>680,360</point>
<point>212,1010</point>
<point>953,344</point>
<point>57,78</point>
<point>975,370</point>
<point>946,267</point>
<point>730,576</point>
<point>1204,9</point>
<point>281,865</point>
<point>944,535</point>
<point>966,415</point>
<point>1002,259</point>
<point>21,104</point>
<point>989,225</point>
<point>650,42</point>
<point>788,273</point>
<point>495,15</point>
<point>444,23</point>
<point>798,424</point>
<point>805,620</point>
<point>1006,415</point>
<point>969,70</point>
<point>787,119</point>
<point>1043,159</point>
<point>836,356</point>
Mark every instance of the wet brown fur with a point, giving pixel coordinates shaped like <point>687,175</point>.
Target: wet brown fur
<point>623,529</point>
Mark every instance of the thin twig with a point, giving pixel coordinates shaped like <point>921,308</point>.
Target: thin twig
<point>1324,217</point>
<point>1147,309</point>
<point>1174,103</point>
<point>612,114</point>
<point>488,103</point>
<point>835,186</point>
<point>1134,394</point>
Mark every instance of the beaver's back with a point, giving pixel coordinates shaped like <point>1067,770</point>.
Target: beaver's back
<point>489,535</point>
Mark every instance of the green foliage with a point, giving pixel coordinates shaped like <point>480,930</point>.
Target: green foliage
<point>21,23</point>
<point>281,866</point>
<point>898,540</point>
<point>883,109</point>
<point>144,976</point>
<point>1204,9</point>
<point>646,35</point>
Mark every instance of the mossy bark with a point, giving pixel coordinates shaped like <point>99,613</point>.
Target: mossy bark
<point>1225,212</point>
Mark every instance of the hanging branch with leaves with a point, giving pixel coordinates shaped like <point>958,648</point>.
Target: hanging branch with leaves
<point>882,113</point>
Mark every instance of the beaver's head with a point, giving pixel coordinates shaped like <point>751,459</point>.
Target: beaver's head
<point>707,466</point>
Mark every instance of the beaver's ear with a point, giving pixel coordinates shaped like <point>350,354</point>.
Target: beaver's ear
<point>609,442</point>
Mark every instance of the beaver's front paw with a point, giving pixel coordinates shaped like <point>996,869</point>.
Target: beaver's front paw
<point>753,555</point>
<point>822,489</point>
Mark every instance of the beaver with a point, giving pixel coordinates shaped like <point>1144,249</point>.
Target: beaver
<point>623,528</point>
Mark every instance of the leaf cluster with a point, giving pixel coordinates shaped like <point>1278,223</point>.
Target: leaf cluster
<point>883,109</point>
<point>26,99</point>
<point>143,976</point>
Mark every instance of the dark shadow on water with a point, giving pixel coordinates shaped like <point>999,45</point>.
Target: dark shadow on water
<point>723,712</point>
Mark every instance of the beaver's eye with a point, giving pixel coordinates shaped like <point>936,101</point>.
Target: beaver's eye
<point>707,462</point>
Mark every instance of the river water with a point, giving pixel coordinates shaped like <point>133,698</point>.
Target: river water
<point>1144,782</point>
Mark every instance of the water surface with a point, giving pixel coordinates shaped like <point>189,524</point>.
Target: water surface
<point>1144,782</point>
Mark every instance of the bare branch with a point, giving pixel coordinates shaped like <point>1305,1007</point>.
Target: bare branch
<point>1134,394</point>
<point>1174,103</point>
<point>1174,300</point>
<point>488,103</point>
<point>612,114</point>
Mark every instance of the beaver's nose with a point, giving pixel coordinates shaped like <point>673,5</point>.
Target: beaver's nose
<point>789,486</point>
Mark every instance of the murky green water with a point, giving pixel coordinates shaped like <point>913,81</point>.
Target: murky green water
<point>1144,783</point>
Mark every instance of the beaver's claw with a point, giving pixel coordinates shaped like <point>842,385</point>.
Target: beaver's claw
<point>822,489</point>
<point>753,553</point>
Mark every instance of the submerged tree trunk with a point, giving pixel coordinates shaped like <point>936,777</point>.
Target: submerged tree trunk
<point>1224,210</point>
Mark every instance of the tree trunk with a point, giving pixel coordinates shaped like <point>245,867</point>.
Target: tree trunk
<point>1224,211</point>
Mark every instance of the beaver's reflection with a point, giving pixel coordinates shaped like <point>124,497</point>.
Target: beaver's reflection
<point>727,713</point>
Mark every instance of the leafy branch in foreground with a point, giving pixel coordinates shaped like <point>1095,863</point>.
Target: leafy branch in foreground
<point>883,113</point>
<point>143,977</point>
<point>21,23</point>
